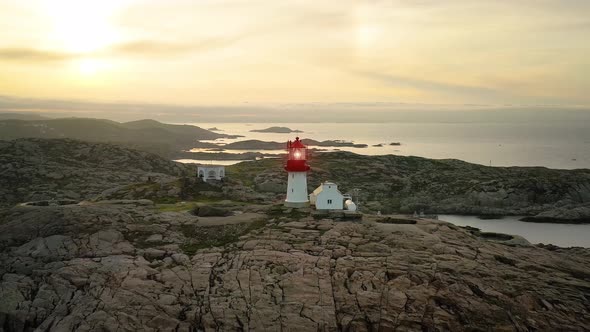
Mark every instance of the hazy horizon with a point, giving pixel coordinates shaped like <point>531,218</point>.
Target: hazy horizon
<point>293,112</point>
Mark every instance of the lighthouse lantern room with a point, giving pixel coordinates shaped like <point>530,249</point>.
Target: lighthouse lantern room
<point>297,179</point>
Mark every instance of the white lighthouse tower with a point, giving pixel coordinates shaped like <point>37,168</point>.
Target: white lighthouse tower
<point>297,169</point>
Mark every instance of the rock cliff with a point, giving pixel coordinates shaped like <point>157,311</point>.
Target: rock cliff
<point>124,266</point>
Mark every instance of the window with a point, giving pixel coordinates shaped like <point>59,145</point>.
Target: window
<point>292,190</point>
<point>329,201</point>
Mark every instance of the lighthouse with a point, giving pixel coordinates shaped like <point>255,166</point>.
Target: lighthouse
<point>297,174</point>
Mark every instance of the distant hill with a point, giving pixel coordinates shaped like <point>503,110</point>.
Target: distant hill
<point>39,169</point>
<point>277,130</point>
<point>22,116</point>
<point>253,144</point>
<point>177,129</point>
<point>147,135</point>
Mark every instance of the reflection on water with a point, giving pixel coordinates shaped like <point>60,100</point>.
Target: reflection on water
<point>558,234</point>
<point>209,150</point>
<point>209,162</point>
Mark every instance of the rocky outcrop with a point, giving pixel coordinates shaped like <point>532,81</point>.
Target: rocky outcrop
<point>569,214</point>
<point>406,184</point>
<point>210,211</point>
<point>127,267</point>
<point>39,169</point>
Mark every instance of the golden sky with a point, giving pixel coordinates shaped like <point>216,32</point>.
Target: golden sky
<point>216,52</point>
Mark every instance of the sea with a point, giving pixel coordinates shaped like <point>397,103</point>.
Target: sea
<point>562,235</point>
<point>560,145</point>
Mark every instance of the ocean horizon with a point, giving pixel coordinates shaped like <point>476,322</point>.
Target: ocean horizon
<point>562,145</point>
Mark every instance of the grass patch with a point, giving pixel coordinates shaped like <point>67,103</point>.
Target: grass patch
<point>256,224</point>
<point>277,211</point>
<point>189,231</point>
<point>191,247</point>
<point>177,207</point>
<point>215,236</point>
<point>165,200</point>
<point>139,240</point>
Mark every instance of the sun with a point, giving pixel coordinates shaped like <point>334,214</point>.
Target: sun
<point>89,66</point>
<point>367,31</point>
<point>367,35</point>
<point>81,26</point>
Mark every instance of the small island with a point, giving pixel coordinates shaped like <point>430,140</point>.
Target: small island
<point>265,145</point>
<point>214,129</point>
<point>276,130</point>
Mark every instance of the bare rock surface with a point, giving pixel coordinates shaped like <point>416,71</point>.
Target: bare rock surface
<point>128,267</point>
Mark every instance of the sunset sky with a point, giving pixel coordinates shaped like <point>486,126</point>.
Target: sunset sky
<point>181,52</point>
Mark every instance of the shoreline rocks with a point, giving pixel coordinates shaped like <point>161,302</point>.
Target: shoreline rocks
<point>563,215</point>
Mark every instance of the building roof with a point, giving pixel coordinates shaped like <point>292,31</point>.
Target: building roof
<point>295,144</point>
<point>321,187</point>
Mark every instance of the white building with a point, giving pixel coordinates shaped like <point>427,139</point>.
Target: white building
<point>297,190</point>
<point>297,169</point>
<point>327,197</point>
<point>211,172</point>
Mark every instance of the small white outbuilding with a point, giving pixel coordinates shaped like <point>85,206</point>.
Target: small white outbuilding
<point>327,197</point>
<point>211,172</point>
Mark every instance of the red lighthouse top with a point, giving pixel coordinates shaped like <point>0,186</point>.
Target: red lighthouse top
<point>297,159</point>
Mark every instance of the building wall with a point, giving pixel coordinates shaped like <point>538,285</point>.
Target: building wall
<point>297,187</point>
<point>211,172</point>
<point>312,199</point>
<point>329,199</point>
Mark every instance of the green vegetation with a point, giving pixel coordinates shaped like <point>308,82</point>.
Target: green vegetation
<point>215,236</point>
<point>165,200</point>
<point>225,238</point>
<point>278,210</point>
<point>245,171</point>
<point>176,207</point>
<point>182,206</point>
<point>139,240</point>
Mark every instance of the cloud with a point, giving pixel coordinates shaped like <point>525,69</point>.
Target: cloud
<point>160,48</point>
<point>33,55</point>
<point>146,48</point>
<point>432,86</point>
